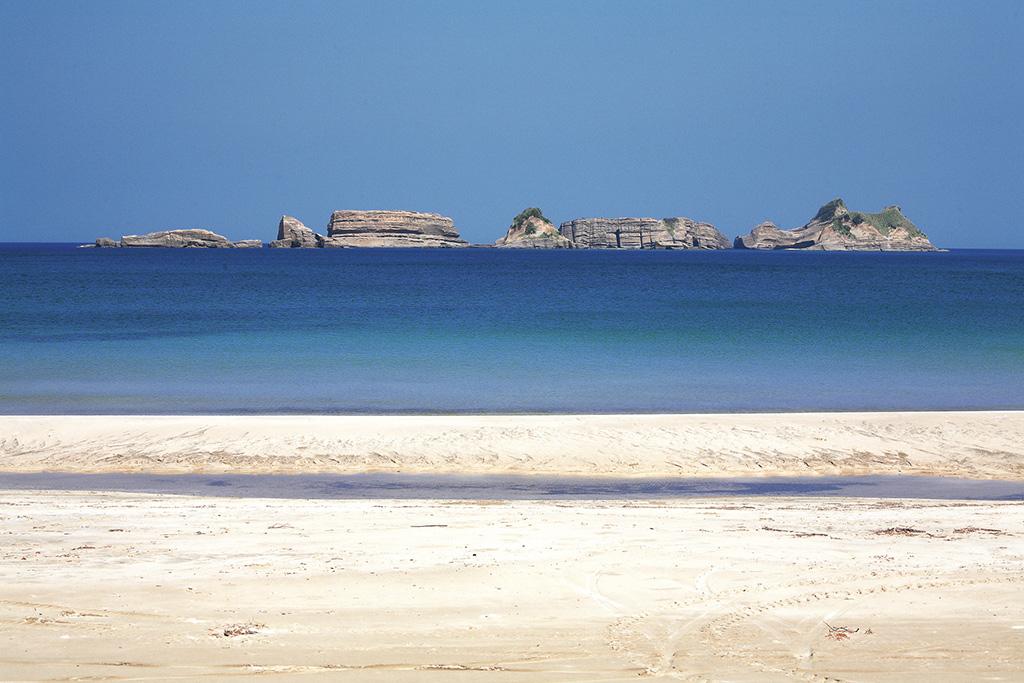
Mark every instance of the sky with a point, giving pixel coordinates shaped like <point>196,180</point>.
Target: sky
<point>126,117</point>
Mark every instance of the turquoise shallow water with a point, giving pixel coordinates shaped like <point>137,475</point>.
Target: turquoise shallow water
<point>370,331</point>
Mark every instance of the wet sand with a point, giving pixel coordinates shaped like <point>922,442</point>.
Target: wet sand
<point>511,486</point>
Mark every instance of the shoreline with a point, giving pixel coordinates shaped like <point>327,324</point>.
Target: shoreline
<point>505,488</point>
<point>963,444</point>
<point>173,547</point>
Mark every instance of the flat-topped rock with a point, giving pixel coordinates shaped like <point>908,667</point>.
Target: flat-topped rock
<point>836,228</point>
<point>293,234</point>
<point>531,230</point>
<point>642,233</point>
<point>391,229</point>
<point>180,239</point>
<point>248,244</point>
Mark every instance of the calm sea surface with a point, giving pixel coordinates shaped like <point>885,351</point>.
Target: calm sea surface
<point>482,330</point>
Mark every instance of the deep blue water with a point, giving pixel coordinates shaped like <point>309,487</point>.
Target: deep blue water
<point>483,330</point>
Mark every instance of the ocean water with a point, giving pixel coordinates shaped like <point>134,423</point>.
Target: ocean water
<point>484,330</point>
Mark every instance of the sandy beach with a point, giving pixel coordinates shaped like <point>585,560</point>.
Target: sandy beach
<point>113,585</point>
<point>978,445</point>
<point>134,587</point>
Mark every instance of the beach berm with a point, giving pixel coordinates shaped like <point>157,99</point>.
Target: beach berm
<point>977,445</point>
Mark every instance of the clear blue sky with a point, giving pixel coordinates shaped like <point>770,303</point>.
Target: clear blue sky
<point>134,116</point>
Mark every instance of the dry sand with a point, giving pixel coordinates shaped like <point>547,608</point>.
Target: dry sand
<point>149,587</point>
<point>983,445</point>
<point>145,586</point>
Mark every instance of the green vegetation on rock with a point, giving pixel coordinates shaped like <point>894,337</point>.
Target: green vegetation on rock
<point>889,218</point>
<point>829,211</point>
<point>842,228</point>
<point>885,221</point>
<point>527,214</point>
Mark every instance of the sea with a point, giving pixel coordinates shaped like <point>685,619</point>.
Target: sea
<point>382,331</point>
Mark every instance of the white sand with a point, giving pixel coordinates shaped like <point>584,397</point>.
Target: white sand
<point>143,587</point>
<point>962,444</point>
<point>126,586</point>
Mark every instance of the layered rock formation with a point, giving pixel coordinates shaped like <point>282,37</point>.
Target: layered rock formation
<point>391,229</point>
<point>642,233</point>
<point>292,234</point>
<point>177,239</point>
<point>194,238</point>
<point>531,230</point>
<point>835,228</point>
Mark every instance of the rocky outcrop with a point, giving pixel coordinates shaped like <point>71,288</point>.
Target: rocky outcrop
<point>292,234</point>
<point>190,239</point>
<point>642,233</point>
<point>767,235</point>
<point>836,228</point>
<point>179,239</point>
<point>531,230</point>
<point>391,229</point>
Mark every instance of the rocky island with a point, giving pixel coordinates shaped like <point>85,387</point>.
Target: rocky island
<point>836,228</point>
<point>346,229</point>
<point>531,230</point>
<point>391,229</point>
<point>292,234</point>
<point>193,238</point>
<point>833,228</point>
<point>642,233</point>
